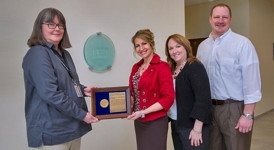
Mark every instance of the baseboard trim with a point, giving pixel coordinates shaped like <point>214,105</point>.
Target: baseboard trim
<point>263,114</point>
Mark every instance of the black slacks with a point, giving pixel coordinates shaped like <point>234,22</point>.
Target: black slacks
<point>180,137</point>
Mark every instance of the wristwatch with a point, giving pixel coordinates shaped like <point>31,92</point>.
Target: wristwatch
<point>142,114</point>
<point>248,116</point>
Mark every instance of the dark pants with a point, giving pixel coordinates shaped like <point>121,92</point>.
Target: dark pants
<point>180,137</point>
<point>151,135</point>
<point>224,136</point>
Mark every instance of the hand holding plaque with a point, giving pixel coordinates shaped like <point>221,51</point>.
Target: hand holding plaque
<point>111,102</point>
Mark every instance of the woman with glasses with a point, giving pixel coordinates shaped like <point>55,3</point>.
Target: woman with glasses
<point>55,109</point>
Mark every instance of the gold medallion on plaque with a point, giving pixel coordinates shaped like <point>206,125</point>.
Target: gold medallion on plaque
<point>104,103</point>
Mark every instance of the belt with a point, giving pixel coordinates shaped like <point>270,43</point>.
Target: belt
<point>222,102</point>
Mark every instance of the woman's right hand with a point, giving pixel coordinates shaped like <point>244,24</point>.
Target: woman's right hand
<point>90,119</point>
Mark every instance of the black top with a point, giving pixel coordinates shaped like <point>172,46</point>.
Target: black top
<point>193,95</point>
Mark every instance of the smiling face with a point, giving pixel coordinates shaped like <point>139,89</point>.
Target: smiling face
<point>220,20</point>
<point>53,36</point>
<point>143,48</point>
<point>176,51</point>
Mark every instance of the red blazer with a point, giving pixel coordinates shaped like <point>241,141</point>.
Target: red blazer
<point>155,85</point>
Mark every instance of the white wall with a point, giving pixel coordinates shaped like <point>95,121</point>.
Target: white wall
<point>118,19</point>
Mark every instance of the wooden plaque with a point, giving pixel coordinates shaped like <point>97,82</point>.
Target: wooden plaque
<point>111,102</point>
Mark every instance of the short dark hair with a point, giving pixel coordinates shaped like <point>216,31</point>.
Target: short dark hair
<point>221,5</point>
<point>47,15</point>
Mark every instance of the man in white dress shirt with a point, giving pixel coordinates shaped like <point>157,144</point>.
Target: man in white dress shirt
<point>233,69</point>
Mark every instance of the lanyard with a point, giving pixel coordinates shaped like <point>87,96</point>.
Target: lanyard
<point>63,62</point>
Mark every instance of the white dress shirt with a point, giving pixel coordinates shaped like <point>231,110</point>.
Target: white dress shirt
<point>232,65</point>
<point>172,112</point>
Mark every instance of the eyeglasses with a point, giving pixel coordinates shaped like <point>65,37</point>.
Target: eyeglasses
<point>53,26</point>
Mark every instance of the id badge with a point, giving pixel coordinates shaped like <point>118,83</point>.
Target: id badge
<point>78,90</point>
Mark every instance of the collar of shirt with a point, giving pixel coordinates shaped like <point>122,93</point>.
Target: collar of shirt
<point>156,59</point>
<point>221,37</point>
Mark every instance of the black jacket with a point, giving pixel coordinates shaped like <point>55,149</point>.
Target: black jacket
<point>193,95</point>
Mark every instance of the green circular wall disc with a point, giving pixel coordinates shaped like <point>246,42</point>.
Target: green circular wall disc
<point>99,52</point>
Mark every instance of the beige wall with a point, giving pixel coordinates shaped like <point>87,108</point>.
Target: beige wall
<point>251,18</point>
<point>197,18</point>
<point>119,19</point>
<point>262,36</point>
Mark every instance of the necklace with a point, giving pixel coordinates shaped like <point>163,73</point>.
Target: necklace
<point>178,69</point>
<point>144,67</point>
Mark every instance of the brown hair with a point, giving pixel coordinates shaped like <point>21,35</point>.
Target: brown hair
<point>186,44</point>
<point>47,15</point>
<point>221,5</point>
<point>146,35</point>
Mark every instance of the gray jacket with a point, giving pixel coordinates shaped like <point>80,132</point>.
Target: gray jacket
<point>54,113</point>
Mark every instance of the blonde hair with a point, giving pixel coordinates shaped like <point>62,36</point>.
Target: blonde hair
<point>146,35</point>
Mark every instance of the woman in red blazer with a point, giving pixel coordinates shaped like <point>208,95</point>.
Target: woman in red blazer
<point>152,93</point>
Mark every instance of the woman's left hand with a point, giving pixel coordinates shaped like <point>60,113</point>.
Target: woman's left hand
<point>196,138</point>
<point>135,115</point>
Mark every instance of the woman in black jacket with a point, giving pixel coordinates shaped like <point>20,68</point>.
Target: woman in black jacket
<point>190,115</point>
